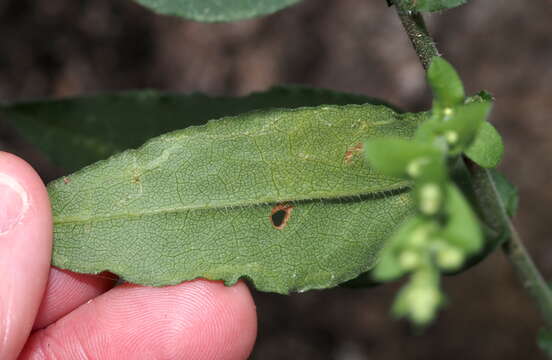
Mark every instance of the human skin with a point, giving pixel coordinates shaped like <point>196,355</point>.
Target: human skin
<point>48,313</point>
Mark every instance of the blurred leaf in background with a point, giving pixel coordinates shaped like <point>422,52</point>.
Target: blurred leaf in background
<point>76,132</point>
<point>216,10</point>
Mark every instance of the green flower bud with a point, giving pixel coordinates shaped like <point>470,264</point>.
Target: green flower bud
<point>430,199</point>
<point>414,168</point>
<point>419,237</point>
<point>450,258</point>
<point>451,137</point>
<point>423,302</point>
<point>448,112</point>
<point>409,260</point>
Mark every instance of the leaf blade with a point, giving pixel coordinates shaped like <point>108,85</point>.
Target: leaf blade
<point>445,83</point>
<point>75,132</point>
<point>487,147</point>
<point>224,179</point>
<point>216,11</point>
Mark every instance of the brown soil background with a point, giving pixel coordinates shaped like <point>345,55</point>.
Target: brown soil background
<point>54,48</point>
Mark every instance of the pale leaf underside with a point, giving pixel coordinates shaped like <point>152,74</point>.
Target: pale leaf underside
<point>199,202</point>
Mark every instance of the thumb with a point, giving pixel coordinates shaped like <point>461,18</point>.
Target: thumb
<point>25,250</point>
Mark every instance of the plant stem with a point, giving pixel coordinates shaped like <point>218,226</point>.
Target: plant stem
<point>494,213</point>
<point>493,210</point>
<point>414,25</point>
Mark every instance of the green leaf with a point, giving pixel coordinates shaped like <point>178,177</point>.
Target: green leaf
<point>76,132</point>
<point>411,234</point>
<point>462,229</point>
<point>447,87</point>
<point>389,267</point>
<point>493,237</point>
<point>459,129</point>
<point>401,158</point>
<point>421,298</point>
<point>508,192</point>
<point>487,148</point>
<point>280,197</point>
<point>465,122</point>
<point>216,10</point>
<point>432,5</point>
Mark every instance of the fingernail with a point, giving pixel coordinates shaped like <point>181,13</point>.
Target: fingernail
<point>14,203</point>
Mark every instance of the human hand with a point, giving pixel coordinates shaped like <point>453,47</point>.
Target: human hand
<point>47,313</point>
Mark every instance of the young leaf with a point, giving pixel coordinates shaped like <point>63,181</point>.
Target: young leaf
<point>465,123</point>
<point>280,197</point>
<point>487,148</point>
<point>460,129</point>
<point>76,132</point>
<point>447,87</point>
<point>390,267</point>
<point>432,5</point>
<point>401,158</point>
<point>216,10</point>
<point>462,229</point>
<point>420,299</point>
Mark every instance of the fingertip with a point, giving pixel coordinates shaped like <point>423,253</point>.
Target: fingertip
<point>25,250</point>
<point>194,320</point>
<point>199,319</point>
<point>231,321</point>
<point>66,291</point>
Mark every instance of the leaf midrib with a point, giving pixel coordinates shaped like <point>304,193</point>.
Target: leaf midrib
<point>355,196</point>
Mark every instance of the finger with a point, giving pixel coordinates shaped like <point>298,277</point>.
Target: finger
<point>25,248</point>
<point>66,291</point>
<point>194,320</point>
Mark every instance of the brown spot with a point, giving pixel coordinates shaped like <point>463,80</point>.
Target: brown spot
<point>280,215</point>
<point>351,152</point>
<point>66,180</point>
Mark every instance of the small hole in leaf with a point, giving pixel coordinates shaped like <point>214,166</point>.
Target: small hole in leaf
<point>280,215</point>
<point>278,218</point>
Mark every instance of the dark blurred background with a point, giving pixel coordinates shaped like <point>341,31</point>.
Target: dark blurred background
<point>55,48</point>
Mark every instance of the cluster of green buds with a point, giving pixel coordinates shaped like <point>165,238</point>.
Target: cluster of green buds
<point>445,231</point>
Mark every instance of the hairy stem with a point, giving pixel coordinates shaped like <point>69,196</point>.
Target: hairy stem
<point>493,210</point>
<point>414,25</point>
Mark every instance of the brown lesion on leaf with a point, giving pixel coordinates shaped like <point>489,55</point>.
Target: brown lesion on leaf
<point>66,180</point>
<point>280,215</point>
<point>352,152</point>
